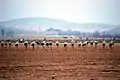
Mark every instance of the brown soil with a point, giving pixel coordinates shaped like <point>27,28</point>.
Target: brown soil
<point>60,63</point>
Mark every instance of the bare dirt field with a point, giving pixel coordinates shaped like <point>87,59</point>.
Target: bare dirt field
<point>60,63</point>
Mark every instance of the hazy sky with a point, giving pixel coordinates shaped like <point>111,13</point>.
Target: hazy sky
<point>100,11</point>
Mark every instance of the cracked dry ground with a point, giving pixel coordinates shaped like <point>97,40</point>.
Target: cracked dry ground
<point>60,64</point>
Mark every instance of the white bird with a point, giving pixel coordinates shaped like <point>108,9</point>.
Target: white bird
<point>10,43</point>
<point>72,42</point>
<point>2,44</point>
<point>84,44</point>
<point>111,44</point>
<point>65,44</point>
<point>57,43</point>
<point>26,44</point>
<point>96,43</point>
<point>17,44</point>
<point>103,44</point>
<point>80,44</point>
<point>91,42</point>
<point>33,44</point>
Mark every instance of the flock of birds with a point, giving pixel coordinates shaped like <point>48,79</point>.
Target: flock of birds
<point>50,43</point>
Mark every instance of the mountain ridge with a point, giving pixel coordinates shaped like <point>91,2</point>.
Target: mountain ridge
<point>45,23</point>
<point>42,25</point>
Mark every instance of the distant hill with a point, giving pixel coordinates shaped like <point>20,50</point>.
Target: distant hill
<point>113,31</point>
<point>45,26</point>
<point>31,25</point>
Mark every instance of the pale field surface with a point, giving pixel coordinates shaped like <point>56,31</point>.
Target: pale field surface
<point>60,63</point>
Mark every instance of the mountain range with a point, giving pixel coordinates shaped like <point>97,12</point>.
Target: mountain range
<point>40,25</point>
